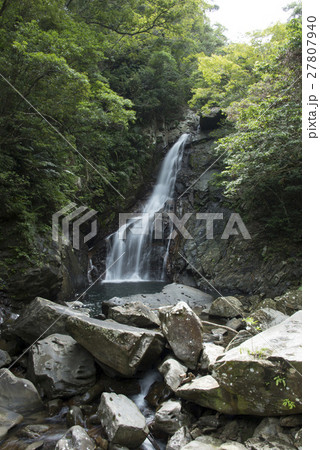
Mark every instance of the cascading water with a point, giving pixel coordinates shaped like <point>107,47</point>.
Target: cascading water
<point>129,259</point>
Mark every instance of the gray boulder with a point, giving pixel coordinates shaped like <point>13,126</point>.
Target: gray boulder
<point>183,330</point>
<point>203,443</point>
<point>226,307</point>
<point>122,421</point>
<point>209,356</point>
<point>60,367</point>
<point>8,419</point>
<point>76,438</point>
<point>5,358</point>
<point>253,379</point>
<point>179,439</point>
<point>17,394</point>
<point>268,317</point>
<point>121,347</point>
<point>41,318</point>
<point>241,337</point>
<point>264,372</point>
<point>170,418</point>
<point>289,302</point>
<point>173,372</point>
<point>136,314</point>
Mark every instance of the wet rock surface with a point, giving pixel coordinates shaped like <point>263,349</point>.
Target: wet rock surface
<point>60,367</point>
<point>8,419</point>
<point>76,439</point>
<point>18,394</point>
<point>136,314</point>
<point>122,421</point>
<point>121,347</point>
<point>41,318</point>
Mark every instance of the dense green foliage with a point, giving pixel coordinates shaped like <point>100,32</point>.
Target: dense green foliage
<point>259,86</point>
<point>100,73</point>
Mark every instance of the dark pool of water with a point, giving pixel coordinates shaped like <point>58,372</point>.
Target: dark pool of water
<point>104,291</point>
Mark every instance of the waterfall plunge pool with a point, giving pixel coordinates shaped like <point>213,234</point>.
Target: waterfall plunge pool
<point>104,291</point>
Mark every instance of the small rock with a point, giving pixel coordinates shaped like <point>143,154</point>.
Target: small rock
<point>268,317</point>
<point>158,393</point>
<point>8,419</point>
<point>226,307</point>
<point>179,439</point>
<point>54,406</point>
<point>241,337</point>
<point>122,421</point>
<point>75,438</point>
<point>169,417</point>
<point>232,445</point>
<point>203,443</point>
<point>35,445</point>
<point>218,334</point>
<point>235,323</point>
<point>298,439</point>
<point>74,417</point>
<point>209,356</point>
<point>291,421</point>
<point>5,358</point>
<point>33,431</point>
<point>173,372</point>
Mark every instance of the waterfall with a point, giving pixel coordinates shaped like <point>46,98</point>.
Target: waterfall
<point>136,249</point>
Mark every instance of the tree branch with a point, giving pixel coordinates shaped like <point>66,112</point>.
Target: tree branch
<point>4,6</point>
<point>128,33</point>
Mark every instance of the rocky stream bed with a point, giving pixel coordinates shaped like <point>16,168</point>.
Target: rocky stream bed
<point>206,373</point>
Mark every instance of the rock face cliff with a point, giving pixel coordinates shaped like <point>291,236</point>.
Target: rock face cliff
<point>233,265</point>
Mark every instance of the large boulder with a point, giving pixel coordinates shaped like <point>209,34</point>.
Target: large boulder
<point>173,372</point>
<point>261,377</point>
<point>121,347</point>
<point>60,367</point>
<point>122,421</point>
<point>136,314</point>
<point>183,330</point>
<point>17,394</point>
<point>41,318</point>
<point>76,438</point>
<point>8,419</point>
<point>264,372</point>
<point>226,307</point>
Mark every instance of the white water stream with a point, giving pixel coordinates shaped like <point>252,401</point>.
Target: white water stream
<point>136,249</point>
